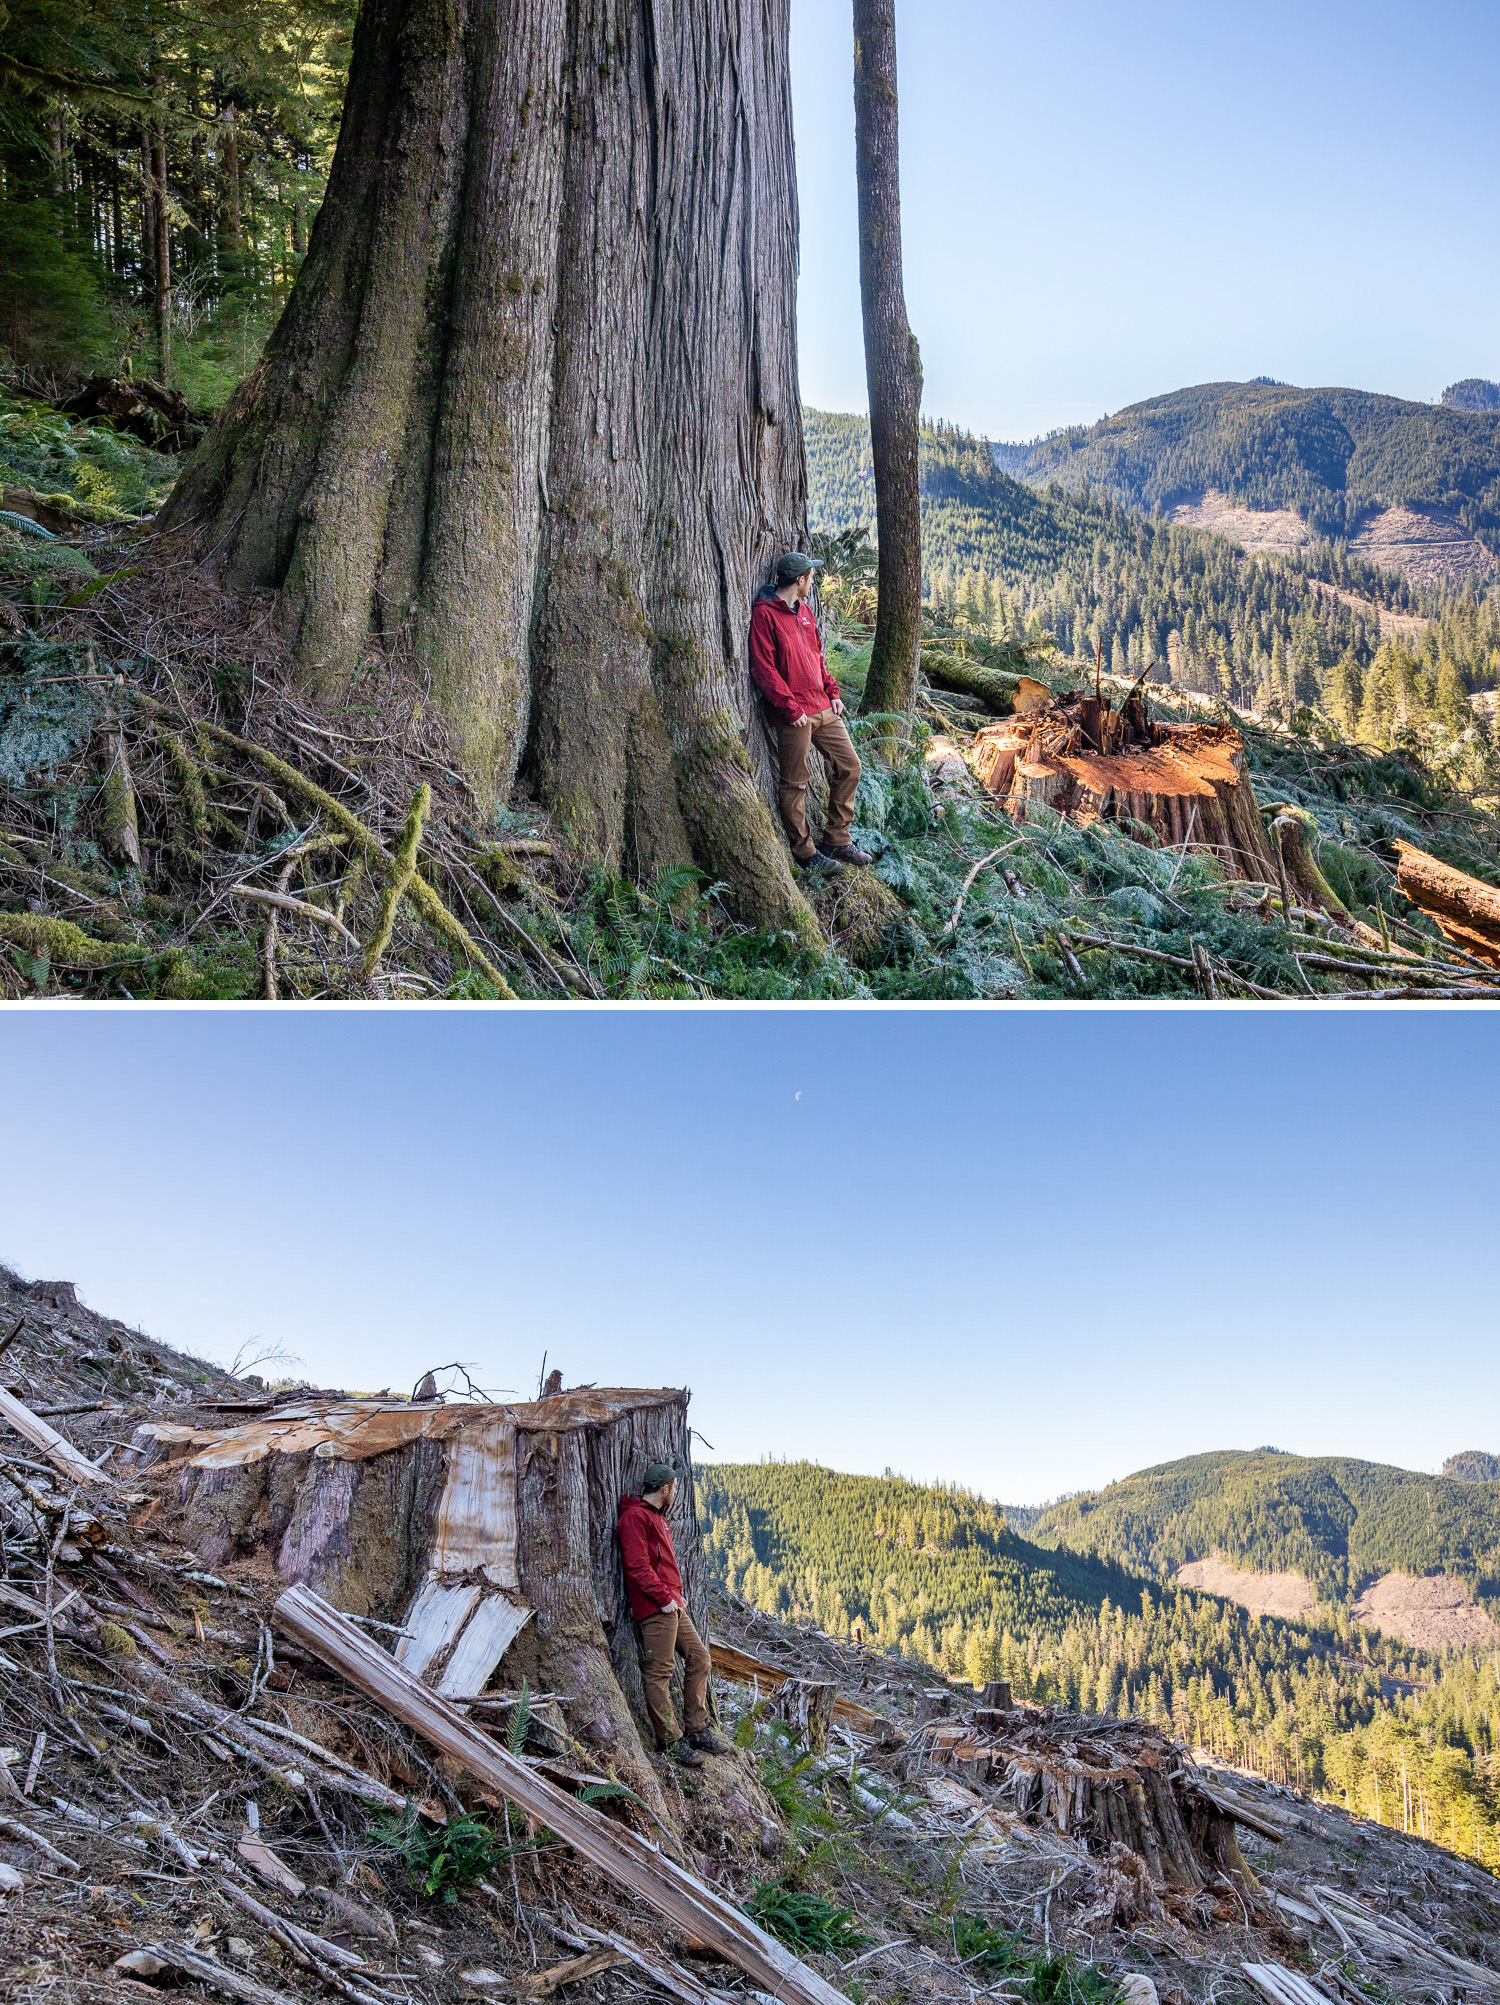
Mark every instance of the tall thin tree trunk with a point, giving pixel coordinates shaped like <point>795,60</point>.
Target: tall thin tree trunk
<point>117,219</point>
<point>893,367</point>
<point>532,409</point>
<point>147,270</point>
<point>163,247</point>
<point>230,231</point>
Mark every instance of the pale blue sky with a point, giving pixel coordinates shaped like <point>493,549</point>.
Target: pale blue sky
<point>1105,201</point>
<point>1024,1251</point>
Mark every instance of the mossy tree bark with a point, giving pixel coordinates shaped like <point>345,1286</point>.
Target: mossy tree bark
<point>893,368</point>
<point>535,393</point>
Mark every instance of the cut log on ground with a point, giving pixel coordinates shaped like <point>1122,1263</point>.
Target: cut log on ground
<point>485,1532</point>
<point>1100,1781</point>
<point>696,1908</point>
<point>1184,783</point>
<point>744,1669</point>
<point>1467,910</point>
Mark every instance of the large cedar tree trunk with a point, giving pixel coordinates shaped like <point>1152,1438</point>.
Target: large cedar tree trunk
<point>535,393</point>
<point>893,368</point>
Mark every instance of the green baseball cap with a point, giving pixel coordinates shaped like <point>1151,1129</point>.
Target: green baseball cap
<point>657,1473</point>
<point>793,564</point>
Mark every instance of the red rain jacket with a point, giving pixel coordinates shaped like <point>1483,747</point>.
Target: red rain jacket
<point>786,659</point>
<point>651,1574</point>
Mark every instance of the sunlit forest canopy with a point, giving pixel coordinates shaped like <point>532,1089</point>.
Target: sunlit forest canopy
<point>160,160</point>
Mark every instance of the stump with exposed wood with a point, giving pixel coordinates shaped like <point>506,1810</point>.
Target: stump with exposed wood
<point>1101,1781</point>
<point>485,1534</point>
<point>1171,783</point>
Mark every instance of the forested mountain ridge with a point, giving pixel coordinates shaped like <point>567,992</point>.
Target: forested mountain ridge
<point>1330,454</point>
<point>1384,660</point>
<point>933,1573</point>
<point>1335,1519</point>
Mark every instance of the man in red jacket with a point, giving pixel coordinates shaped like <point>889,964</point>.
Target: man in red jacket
<point>655,1588</point>
<point>803,702</point>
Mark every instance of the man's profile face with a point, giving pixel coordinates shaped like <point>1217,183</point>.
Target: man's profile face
<point>803,586</point>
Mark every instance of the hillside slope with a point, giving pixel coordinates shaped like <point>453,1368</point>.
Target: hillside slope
<point>1332,455</point>
<point>1333,1520</point>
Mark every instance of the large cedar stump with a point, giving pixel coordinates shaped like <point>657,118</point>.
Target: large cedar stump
<point>485,1532</point>
<point>1078,755</point>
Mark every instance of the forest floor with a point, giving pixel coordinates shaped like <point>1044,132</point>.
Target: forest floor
<point>227,1815</point>
<point>176,820</point>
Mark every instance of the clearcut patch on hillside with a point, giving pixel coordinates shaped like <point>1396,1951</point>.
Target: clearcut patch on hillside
<point>1289,1595</point>
<point>1425,546</point>
<point>1430,1611</point>
<point>1280,530</point>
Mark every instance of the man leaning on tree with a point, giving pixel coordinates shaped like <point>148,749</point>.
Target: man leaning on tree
<point>654,1584</point>
<point>803,702</point>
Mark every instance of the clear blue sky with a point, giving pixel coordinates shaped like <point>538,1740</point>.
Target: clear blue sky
<point>1028,1252</point>
<point>1102,202</point>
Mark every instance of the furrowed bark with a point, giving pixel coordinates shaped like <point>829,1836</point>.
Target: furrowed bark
<point>893,367</point>
<point>536,390</point>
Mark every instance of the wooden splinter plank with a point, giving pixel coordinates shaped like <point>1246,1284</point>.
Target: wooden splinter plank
<point>60,1453</point>
<point>630,1861</point>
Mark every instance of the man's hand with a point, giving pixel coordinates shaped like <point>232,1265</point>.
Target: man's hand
<point>838,706</point>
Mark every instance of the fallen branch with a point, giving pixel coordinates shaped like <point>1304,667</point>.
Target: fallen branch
<point>958,904</point>
<point>159,1956</point>
<point>398,878</point>
<point>616,1851</point>
<point>301,907</point>
<point>24,1835</point>
<point>422,895</point>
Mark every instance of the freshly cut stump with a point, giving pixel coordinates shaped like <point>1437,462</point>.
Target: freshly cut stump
<point>485,1532</point>
<point>1102,1782</point>
<point>1079,756</point>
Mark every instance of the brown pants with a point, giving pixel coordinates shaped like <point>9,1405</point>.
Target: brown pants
<point>795,743</point>
<point>663,1639</point>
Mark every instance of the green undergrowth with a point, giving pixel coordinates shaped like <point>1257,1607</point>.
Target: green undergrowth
<point>1045,1978</point>
<point>805,1922</point>
<point>82,469</point>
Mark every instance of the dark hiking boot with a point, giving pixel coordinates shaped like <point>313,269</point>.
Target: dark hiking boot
<point>708,1742</point>
<point>684,1752</point>
<point>822,863</point>
<point>848,852</point>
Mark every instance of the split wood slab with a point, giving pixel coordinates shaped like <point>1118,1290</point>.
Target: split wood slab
<point>1467,910</point>
<point>60,1453</point>
<point>630,1861</point>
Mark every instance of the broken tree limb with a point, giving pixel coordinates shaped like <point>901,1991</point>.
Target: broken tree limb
<point>593,1963</point>
<point>24,1835</point>
<point>60,1453</point>
<point>282,901</point>
<point>992,686</point>
<point>206,1970</point>
<point>398,878</point>
<point>615,1850</point>
<point>1467,911</point>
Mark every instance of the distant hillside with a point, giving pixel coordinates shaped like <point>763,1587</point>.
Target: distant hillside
<point>1332,1519</point>
<point>888,1556</point>
<point>1332,455</point>
<point>1275,625</point>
